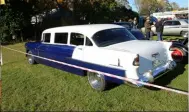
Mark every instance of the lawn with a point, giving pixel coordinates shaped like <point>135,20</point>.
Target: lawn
<point>40,88</point>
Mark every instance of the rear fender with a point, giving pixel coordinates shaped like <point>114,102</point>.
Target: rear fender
<point>167,46</point>
<point>180,46</point>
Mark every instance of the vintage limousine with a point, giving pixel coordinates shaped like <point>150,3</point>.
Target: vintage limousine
<point>103,47</point>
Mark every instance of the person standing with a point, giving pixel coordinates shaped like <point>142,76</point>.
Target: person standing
<point>159,29</point>
<point>147,28</point>
<point>135,23</point>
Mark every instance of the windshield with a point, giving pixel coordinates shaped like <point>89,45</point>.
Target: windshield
<point>186,20</point>
<point>112,36</point>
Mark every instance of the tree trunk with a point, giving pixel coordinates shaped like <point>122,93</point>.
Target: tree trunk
<point>21,36</point>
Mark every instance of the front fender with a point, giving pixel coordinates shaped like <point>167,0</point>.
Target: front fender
<point>32,46</point>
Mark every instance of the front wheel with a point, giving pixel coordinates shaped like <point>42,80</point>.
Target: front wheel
<point>30,58</point>
<point>183,34</point>
<point>97,81</point>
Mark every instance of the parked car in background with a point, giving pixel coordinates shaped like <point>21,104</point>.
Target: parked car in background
<point>172,27</point>
<point>142,20</point>
<point>181,50</point>
<point>185,41</point>
<point>129,26</point>
<point>102,47</point>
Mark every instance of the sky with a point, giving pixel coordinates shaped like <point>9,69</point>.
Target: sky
<point>181,3</point>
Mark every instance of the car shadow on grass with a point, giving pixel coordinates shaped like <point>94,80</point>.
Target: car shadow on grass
<point>168,77</point>
<point>162,81</point>
<point>112,85</point>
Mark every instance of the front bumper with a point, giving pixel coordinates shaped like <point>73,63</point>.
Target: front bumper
<point>150,76</point>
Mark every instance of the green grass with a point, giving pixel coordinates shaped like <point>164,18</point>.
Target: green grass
<point>39,88</point>
<point>168,37</point>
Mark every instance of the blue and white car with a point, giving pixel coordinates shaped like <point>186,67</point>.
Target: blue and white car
<point>102,47</point>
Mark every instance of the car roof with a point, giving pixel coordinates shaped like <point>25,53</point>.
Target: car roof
<point>176,20</point>
<point>182,21</point>
<point>122,22</point>
<point>88,30</point>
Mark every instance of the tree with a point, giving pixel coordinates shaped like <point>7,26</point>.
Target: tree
<point>123,3</point>
<point>168,6</point>
<point>15,15</point>
<point>147,7</point>
<point>98,11</point>
<point>183,8</point>
<point>174,6</point>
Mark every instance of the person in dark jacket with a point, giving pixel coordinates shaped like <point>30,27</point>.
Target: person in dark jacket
<point>147,28</point>
<point>159,29</point>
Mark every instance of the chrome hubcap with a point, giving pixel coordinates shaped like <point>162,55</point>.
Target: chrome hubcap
<point>30,59</point>
<point>96,80</point>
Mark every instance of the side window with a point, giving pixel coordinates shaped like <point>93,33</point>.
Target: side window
<point>46,37</point>
<point>77,39</point>
<point>61,38</point>
<point>168,23</point>
<point>176,23</point>
<point>88,42</point>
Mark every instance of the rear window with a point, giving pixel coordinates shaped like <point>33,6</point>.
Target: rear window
<point>176,23</point>
<point>167,23</point>
<point>46,37</point>
<point>112,36</point>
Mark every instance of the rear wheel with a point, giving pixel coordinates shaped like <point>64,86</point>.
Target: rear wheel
<point>97,81</point>
<point>30,58</point>
<point>186,45</point>
<point>183,33</point>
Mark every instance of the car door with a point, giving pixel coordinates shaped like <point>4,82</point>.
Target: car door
<point>77,40</point>
<point>60,50</point>
<point>167,27</point>
<point>176,28</point>
<point>43,48</point>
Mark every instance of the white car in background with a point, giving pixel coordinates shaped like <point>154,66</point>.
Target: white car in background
<point>172,27</point>
<point>102,47</point>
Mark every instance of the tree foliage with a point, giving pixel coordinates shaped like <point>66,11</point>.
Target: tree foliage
<point>147,7</point>
<point>15,18</point>
<point>174,6</point>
